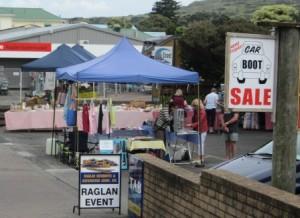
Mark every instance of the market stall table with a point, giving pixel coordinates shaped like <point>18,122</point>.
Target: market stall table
<point>146,144</point>
<point>42,119</point>
<point>188,136</point>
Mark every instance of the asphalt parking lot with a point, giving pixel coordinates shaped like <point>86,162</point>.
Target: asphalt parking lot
<point>34,141</point>
<point>30,177</point>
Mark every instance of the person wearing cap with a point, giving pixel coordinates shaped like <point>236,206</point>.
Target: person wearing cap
<point>200,125</point>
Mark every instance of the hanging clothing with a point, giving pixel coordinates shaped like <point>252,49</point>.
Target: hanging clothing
<point>62,98</point>
<point>67,103</point>
<point>58,98</point>
<point>85,118</point>
<point>71,112</point>
<point>100,119</point>
<point>112,114</point>
<point>74,92</point>
<point>93,119</point>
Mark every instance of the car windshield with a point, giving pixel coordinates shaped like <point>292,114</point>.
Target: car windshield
<point>268,149</point>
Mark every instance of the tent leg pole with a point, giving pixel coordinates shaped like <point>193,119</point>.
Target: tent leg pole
<point>21,86</point>
<point>77,102</point>
<point>53,121</point>
<point>199,120</point>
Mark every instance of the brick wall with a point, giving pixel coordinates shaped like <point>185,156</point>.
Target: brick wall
<point>171,191</point>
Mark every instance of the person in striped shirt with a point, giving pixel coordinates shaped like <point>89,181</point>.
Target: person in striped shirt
<point>164,120</point>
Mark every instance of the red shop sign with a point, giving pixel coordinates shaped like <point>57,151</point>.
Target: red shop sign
<point>26,46</point>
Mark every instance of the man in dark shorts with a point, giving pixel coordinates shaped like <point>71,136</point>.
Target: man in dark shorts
<point>229,121</point>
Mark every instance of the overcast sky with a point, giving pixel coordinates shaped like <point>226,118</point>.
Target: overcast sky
<point>89,8</point>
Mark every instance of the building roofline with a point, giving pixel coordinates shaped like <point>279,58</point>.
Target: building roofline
<point>64,27</point>
<point>39,20</point>
<point>163,40</point>
<point>54,17</point>
<point>7,15</point>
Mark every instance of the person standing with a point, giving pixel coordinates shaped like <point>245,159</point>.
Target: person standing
<point>211,101</point>
<point>229,121</point>
<point>164,121</point>
<point>199,124</point>
<point>178,99</point>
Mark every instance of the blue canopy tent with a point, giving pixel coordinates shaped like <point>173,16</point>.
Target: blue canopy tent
<point>85,53</point>
<point>124,64</point>
<point>63,56</point>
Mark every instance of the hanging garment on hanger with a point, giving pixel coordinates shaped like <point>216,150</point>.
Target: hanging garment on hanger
<point>62,98</point>
<point>85,118</point>
<point>74,91</point>
<point>58,98</point>
<point>100,119</point>
<point>112,114</point>
<point>93,119</point>
<point>72,109</point>
<point>67,102</point>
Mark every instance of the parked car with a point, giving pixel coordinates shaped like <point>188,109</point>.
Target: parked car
<point>3,84</point>
<point>258,165</point>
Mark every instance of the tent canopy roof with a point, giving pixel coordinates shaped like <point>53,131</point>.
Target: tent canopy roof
<point>83,52</point>
<point>63,56</point>
<point>124,64</point>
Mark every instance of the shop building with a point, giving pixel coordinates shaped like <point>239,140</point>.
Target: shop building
<point>16,17</point>
<point>26,45</point>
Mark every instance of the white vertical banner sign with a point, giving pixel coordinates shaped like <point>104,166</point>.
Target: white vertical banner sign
<point>99,181</point>
<point>250,72</point>
<point>49,81</point>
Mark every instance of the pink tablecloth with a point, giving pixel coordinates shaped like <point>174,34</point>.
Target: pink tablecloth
<point>37,119</point>
<point>43,119</point>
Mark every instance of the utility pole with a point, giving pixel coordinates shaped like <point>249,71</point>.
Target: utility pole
<point>285,131</point>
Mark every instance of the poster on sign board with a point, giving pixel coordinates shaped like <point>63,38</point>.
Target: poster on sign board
<point>106,146</point>
<point>250,72</point>
<point>163,54</point>
<point>99,181</point>
<point>135,187</point>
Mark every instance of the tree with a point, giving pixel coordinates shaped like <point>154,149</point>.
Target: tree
<point>203,46</point>
<point>117,24</point>
<point>166,8</point>
<point>157,23</point>
<point>275,13</point>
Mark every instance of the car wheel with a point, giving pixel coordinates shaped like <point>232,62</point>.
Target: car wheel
<point>262,81</point>
<point>241,80</point>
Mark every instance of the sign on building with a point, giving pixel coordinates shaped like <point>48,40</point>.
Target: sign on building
<point>99,181</point>
<point>163,54</point>
<point>250,72</point>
